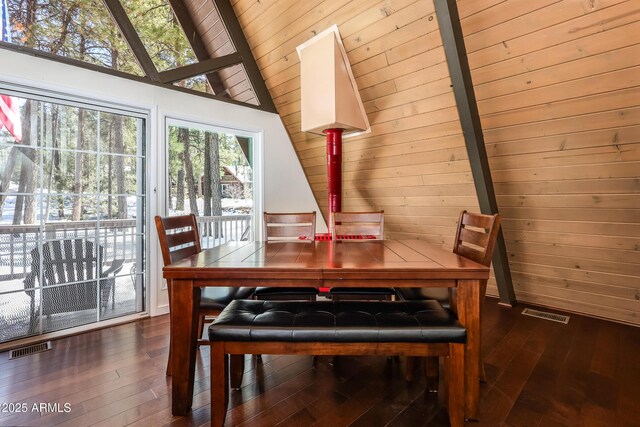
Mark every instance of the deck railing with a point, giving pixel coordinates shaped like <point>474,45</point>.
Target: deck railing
<point>118,237</point>
<point>216,230</point>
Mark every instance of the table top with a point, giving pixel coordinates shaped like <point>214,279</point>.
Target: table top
<point>322,260</point>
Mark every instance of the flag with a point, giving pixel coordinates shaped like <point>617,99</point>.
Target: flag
<point>9,111</point>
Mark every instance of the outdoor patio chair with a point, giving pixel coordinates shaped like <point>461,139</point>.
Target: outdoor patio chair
<point>68,280</point>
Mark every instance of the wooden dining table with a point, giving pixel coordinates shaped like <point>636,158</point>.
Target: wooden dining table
<point>372,263</point>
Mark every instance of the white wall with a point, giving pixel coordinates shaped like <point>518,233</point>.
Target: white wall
<point>285,187</point>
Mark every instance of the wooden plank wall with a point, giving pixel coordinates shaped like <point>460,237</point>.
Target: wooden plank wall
<point>558,92</point>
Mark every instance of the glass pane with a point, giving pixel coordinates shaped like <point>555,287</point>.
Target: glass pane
<point>121,267</point>
<point>118,134</point>
<point>70,172</point>
<point>160,33</point>
<point>198,83</point>
<point>20,204</point>
<point>16,308</point>
<point>118,176</point>
<point>69,128</point>
<point>222,201</point>
<point>85,32</point>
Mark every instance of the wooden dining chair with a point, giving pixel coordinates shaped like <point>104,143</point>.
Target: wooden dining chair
<point>179,238</point>
<point>287,227</point>
<point>359,227</point>
<point>475,239</point>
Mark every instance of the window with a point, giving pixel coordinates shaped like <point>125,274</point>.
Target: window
<point>211,175</point>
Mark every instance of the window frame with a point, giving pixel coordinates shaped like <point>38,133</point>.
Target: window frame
<point>213,127</point>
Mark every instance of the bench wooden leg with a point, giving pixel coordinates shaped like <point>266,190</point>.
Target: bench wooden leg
<point>455,380</point>
<point>432,373</point>
<point>236,370</point>
<point>219,384</point>
<point>411,367</point>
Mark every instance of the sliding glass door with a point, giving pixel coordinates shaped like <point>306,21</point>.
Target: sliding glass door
<point>72,214</point>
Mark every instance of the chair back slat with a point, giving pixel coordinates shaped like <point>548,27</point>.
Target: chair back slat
<point>62,263</point>
<point>478,220</point>
<point>86,259</point>
<point>477,243</point>
<point>180,238</point>
<point>179,221</point>
<point>290,232</point>
<point>347,225</point>
<point>474,237</point>
<point>183,253</point>
<point>183,230</point>
<point>289,226</point>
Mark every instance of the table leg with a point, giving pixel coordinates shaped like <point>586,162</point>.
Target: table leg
<point>468,304</point>
<point>185,298</point>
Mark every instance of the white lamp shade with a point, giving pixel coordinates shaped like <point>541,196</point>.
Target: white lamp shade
<point>329,95</point>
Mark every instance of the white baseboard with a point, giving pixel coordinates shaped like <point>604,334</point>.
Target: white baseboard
<point>161,310</point>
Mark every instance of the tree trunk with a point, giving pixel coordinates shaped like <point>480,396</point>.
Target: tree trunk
<point>24,212</point>
<point>170,193</point>
<point>118,149</point>
<point>119,168</point>
<point>76,211</point>
<point>180,189</point>
<point>183,136</point>
<point>206,185</point>
<point>216,194</point>
<point>207,189</point>
<point>58,177</point>
<point>110,172</point>
<point>7,173</point>
<point>49,138</point>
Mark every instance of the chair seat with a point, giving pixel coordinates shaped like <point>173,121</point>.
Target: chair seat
<point>362,291</point>
<point>217,298</point>
<point>275,292</point>
<point>416,294</point>
<point>343,321</point>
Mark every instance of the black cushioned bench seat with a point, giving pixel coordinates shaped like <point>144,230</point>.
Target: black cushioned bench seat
<point>412,328</point>
<point>341,321</point>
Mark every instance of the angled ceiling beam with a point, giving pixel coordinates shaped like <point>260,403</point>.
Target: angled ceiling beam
<point>133,40</point>
<point>189,28</point>
<point>203,67</point>
<point>228,16</point>
<point>456,53</point>
<point>100,69</point>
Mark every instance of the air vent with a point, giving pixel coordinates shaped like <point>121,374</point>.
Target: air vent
<point>560,318</point>
<point>31,349</point>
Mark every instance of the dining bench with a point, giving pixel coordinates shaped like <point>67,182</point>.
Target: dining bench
<point>385,328</point>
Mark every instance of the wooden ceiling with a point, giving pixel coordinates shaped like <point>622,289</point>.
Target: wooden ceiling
<point>216,40</point>
<point>557,84</point>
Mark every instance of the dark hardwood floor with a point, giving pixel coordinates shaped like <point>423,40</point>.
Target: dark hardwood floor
<point>539,373</point>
